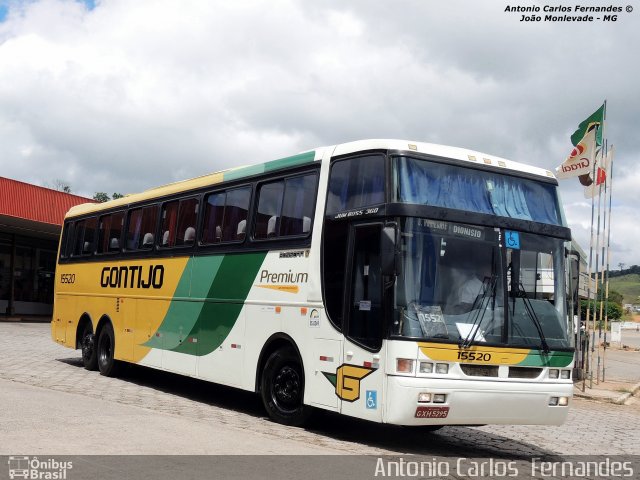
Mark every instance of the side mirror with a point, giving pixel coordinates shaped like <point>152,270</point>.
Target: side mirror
<point>388,255</point>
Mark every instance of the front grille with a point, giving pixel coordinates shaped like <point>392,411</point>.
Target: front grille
<point>479,370</point>
<point>524,372</point>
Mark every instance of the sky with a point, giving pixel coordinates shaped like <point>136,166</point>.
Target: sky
<point>120,95</point>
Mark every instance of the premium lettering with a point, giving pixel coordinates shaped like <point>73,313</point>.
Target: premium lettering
<point>288,277</point>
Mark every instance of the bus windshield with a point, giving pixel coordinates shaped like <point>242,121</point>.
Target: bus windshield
<point>470,284</point>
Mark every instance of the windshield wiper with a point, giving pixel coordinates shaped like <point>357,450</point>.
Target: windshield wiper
<point>488,285</point>
<point>521,293</point>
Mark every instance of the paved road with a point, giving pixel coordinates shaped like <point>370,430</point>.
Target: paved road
<point>50,404</point>
<point>622,365</point>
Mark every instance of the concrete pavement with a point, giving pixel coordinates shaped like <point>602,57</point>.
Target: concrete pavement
<point>621,365</point>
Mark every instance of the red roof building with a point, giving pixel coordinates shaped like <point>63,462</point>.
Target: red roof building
<point>36,204</point>
<point>31,220</point>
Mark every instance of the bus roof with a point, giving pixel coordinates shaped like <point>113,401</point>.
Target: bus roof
<point>470,156</point>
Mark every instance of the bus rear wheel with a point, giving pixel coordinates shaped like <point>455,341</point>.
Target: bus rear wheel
<point>282,388</point>
<point>107,364</point>
<point>88,346</point>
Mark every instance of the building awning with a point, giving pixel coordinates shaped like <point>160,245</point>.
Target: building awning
<point>31,210</point>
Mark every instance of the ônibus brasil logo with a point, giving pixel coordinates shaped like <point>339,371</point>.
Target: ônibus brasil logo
<point>34,468</point>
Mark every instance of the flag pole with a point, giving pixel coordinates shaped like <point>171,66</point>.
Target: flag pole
<point>609,187</point>
<point>597,313</point>
<point>588,328</point>
<point>600,266</point>
<point>607,218</point>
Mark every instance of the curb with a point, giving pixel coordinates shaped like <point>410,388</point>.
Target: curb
<point>626,396</point>
<point>620,400</point>
<point>20,319</point>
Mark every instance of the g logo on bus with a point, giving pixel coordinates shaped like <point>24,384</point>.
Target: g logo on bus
<point>347,380</point>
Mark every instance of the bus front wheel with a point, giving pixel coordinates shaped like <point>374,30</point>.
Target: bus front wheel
<point>107,364</point>
<point>282,388</point>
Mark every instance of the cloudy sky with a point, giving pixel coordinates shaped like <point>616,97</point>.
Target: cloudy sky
<point>121,95</point>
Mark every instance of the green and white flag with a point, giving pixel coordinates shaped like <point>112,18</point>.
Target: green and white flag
<point>595,121</point>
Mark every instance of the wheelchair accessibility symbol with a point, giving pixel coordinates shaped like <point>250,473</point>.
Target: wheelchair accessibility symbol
<point>372,399</point>
<point>513,239</point>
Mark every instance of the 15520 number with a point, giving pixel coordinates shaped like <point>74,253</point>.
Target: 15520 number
<point>474,356</point>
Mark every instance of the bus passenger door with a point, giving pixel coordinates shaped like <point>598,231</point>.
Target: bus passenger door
<point>360,379</point>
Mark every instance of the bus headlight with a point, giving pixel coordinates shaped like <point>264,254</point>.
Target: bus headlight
<point>439,397</point>
<point>426,367</point>
<point>554,373</point>
<point>442,368</point>
<point>553,401</point>
<point>404,365</point>
<point>565,374</point>
<point>563,401</point>
<point>424,397</point>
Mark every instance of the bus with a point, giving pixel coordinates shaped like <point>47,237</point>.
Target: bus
<point>394,281</point>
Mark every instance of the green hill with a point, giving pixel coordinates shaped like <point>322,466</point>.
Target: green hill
<point>628,286</point>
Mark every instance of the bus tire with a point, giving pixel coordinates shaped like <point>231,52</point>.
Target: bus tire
<point>107,364</point>
<point>282,388</point>
<point>88,348</point>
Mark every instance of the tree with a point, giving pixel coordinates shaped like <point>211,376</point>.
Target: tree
<point>613,310</point>
<point>621,265</point>
<point>615,297</point>
<point>115,196</point>
<point>101,197</point>
<point>61,185</point>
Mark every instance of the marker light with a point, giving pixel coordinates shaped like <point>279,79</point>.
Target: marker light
<point>565,374</point>
<point>442,368</point>
<point>424,397</point>
<point>426,367</point>
<point>554,373</point>
<point>404,365</point>
<point>563,401</point>
<point>439,398</point>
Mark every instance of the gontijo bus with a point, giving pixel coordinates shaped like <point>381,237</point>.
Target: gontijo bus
<point>393,281</point>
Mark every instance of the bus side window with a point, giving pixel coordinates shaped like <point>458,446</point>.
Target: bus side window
<point>109,232</point>
<point>269,208</point>
<point>356,182</point>
<point>187,216</point>
<point>225,216</point>
<point>298,206</point>
<point>66,245</point>
<point>236,211</point>
<point>285,207</point>
<point>213,215</point>
<point>169,221</point>
<point>84,236</point>
<point>141,228</point>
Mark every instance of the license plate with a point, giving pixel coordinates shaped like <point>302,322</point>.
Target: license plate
<point>432,412</point>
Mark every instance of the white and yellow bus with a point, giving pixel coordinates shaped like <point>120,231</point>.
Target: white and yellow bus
<point>393,281</point>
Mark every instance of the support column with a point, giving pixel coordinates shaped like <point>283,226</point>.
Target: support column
<point>11,310</point>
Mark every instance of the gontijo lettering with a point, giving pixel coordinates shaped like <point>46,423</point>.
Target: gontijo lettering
<point>133,276</point>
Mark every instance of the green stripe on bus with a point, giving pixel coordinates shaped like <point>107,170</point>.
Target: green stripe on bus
<point>292,161</point>
<point>176,321</point>
<point>208,310</point>
<point>226,297</point>
<point>295,160</point>
<point>552,359</point>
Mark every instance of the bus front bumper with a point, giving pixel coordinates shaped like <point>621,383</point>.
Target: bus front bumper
<point>469,402</point>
